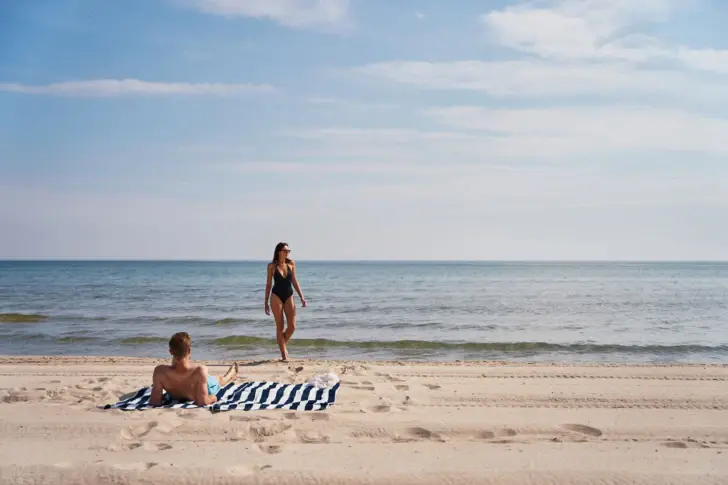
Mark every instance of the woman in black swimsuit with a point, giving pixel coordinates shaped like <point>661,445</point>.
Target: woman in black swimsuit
<point>282,272</point>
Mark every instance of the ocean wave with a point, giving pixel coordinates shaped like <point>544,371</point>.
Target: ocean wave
<point>38,317</point>
<point>142,339</point>
<point>233,321</point>
<point>79,318</point>
<point>75,340</point>
<point>23,337</point>
<point>22,317</point>
<point>185,320</point>
<point>505,347</point>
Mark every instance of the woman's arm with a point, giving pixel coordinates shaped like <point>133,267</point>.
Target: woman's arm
<point>296,285</point>
<point>268,279</point>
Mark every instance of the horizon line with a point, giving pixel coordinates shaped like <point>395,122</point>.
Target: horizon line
<point>250,260</point>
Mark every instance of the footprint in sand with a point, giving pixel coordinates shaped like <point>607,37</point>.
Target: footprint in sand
<point>424,434</point>
<point>186,414</point>
<point>136,432</point>
<point>270,449</point>
<point>582,429</point>
<point>244,471</point>
<point>355,370</point>
<point>249,419</point>
<point>169,423</point>
<point>264,431</point>
<point>432,387</point>
<point>320,417</point>
<point>137,467</point>
<point>499,433</point>
<point>390,378</point>
<point>675,444</point>
<point>408,401</point>
<point>291,415</point>
<point>312,437</point>
<point>157,446</point>
<point>363,388</point>
<point>402,387</point>
<point>381,408</point>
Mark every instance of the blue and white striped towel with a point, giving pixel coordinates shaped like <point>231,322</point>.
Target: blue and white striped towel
<point>245,396</point>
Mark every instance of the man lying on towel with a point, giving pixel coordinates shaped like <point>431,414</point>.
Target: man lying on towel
<point>185,381</point>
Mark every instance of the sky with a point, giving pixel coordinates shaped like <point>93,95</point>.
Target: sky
<point>364,129</point>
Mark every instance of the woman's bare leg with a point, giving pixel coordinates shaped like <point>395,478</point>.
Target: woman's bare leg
<point>289,308</point>
<point>277,308</point>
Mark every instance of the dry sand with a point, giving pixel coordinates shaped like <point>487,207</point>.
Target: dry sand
<point>414,423</point>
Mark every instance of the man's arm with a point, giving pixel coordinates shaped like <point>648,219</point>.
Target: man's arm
<point>202,398</point>
<point>157,387</point>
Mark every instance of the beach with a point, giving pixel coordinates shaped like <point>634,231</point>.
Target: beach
<point>424,423</point>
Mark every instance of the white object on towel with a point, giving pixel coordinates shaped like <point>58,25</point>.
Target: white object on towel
<point>324,381</point>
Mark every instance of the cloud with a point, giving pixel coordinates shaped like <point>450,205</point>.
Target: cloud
<point>134,87</point>
<point>568,30</point>
<point>372,167</point>
<point>419,15</point>
<point>531,139</point>
<point>705,59</point>
<point>299,14</point>
<point>541,78</point>
<point>382,134</point>
<point>594,129</point>
<point>576,48</point>
<point>322,100</point>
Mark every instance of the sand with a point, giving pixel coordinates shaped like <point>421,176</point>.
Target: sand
<point>401,424</point>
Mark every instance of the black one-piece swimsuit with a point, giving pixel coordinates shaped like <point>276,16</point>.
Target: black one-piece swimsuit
<point>282,286</point>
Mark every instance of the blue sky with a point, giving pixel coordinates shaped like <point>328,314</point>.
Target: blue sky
<point>364,129</point>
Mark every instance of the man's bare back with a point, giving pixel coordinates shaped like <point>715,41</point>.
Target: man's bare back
<point>185,381</point>
<point>181,383</point>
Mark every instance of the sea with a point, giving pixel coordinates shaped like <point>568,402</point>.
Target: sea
<point>569,312</point>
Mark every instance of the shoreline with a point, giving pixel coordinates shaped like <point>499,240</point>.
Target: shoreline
<point>9,359</point>
<point>393,422</point>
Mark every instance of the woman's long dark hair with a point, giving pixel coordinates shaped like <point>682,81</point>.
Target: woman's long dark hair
<point>277,250</point>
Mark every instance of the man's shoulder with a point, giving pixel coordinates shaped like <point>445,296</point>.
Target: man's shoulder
<point>162,370</point>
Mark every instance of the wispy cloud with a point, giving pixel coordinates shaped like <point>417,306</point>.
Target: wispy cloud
<point>299,14</point>
<point>581,129</point>
<point>134,87</point>
<point>540,78</point>
<point>322,100</point>
<point>368,167</point>
<point>576,48</point>
<point>597,29</point>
